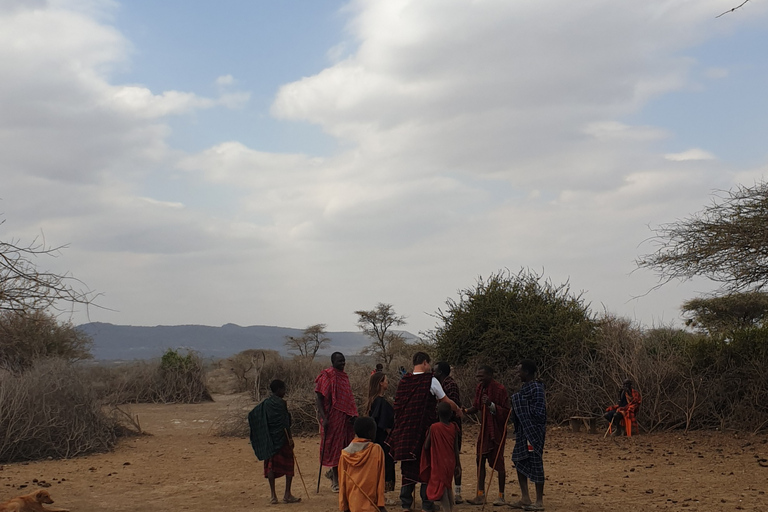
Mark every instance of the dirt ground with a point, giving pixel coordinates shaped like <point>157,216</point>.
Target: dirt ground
<point>182,466</point>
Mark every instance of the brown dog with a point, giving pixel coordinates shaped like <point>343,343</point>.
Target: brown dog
<point>32,502</point>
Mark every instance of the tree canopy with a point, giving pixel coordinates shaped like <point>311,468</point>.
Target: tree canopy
<point>376,324</point>
<point>310,342</point>
<point>508,317</point>
<point>727,313</point>
<point>726,242</point>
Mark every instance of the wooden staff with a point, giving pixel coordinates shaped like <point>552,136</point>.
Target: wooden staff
<point>498,452</point>
<point>296,461</point>
<point>480,451</point>
<point>322,454</point>
<point>376,507</point>
<point>609,426</point>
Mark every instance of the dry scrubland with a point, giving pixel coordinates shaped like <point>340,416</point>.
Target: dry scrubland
<point>184,465</point>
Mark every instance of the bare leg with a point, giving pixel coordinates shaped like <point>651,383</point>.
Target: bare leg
<point>335,478</point>
<point>446,501</point>
<point>525,498</point>
<point>480,497</point>
<point>540,494</point>
<point>288,497</point>
<point>502,481</point>
<point>271,478</point>
<point>481,476</point>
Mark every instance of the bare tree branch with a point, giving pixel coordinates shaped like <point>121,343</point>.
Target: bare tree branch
<point>731,10</point>
<point>312,340</point>
<point>24,287</point>
<point>727,242</point>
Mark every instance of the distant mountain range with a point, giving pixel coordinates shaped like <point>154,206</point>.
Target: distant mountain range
<point>125,342</point>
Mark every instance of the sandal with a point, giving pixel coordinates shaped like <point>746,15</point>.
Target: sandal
<point>477,500</point>
<point>533,506</point>
<point>273,501</point>
<point>291,499</point>
<point>519,504</point>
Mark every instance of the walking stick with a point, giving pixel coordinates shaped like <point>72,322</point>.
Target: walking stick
<point>480,451</point>
<point>360,488</point>
<point>498,452</point>
<point>322,454</point>
<point>296,461</point>
<point>609,426</point>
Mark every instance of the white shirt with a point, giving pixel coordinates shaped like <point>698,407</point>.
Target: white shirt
<point>436,389</point>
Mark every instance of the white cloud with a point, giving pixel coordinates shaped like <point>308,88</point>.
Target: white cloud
<point>690,154</point>
<point>474,136</point>
<point>225,80</point>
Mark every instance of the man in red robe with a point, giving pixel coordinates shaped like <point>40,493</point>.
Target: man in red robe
<point>492,401</point>
<point>337,411</point>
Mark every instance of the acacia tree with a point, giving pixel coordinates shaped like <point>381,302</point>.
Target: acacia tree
<point>727,313</point>
<point>726,242</point>
<point>376,324</point>
<point>310,342</point>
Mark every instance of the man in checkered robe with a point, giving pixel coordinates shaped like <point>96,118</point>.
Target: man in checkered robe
<point>529,414</point>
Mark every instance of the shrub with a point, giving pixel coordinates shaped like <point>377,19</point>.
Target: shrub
<point>182,378</point>
<point>26,336</point>
<point>175,378</point>
<point>509,317</point>
<point>50,411</point>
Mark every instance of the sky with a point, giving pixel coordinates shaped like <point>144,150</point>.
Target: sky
<point>289,162</point>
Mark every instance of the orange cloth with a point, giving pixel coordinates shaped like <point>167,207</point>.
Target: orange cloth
<point>361,476</point>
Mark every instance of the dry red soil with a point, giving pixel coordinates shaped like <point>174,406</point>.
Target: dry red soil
<point>183,466</point>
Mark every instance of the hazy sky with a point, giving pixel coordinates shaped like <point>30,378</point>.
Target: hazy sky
<point>288,162</point>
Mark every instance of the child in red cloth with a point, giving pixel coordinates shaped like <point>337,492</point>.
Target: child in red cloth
<point>439,458</point>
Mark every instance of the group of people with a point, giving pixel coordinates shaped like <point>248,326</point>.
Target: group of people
<point>422,431</point>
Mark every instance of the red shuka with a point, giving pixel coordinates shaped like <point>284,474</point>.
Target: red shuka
<point>439,462</point>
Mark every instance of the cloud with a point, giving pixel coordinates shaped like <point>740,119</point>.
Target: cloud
<point>225,80</point>
<point>691,154</point>
<point>474,136</point>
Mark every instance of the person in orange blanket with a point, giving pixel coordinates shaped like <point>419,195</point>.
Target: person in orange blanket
<point>361,471</point>
<point>492,401</point>
<point>629,403</point>
<point>440,458</point>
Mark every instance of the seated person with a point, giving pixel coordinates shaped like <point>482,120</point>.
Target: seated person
<point>361,471</point>
<point>629,403</point>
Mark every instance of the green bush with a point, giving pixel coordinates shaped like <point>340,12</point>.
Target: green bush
<point>509,317</point>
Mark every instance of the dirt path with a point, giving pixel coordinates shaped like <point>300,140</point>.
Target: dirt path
<point>183,467</point>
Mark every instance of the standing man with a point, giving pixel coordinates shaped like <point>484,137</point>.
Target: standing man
<point>270,425</point>
<point>443,375</point>
<point>337,411</point>
<point>529,412</point>
<point>492,401</point>
<point>415,402</point>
